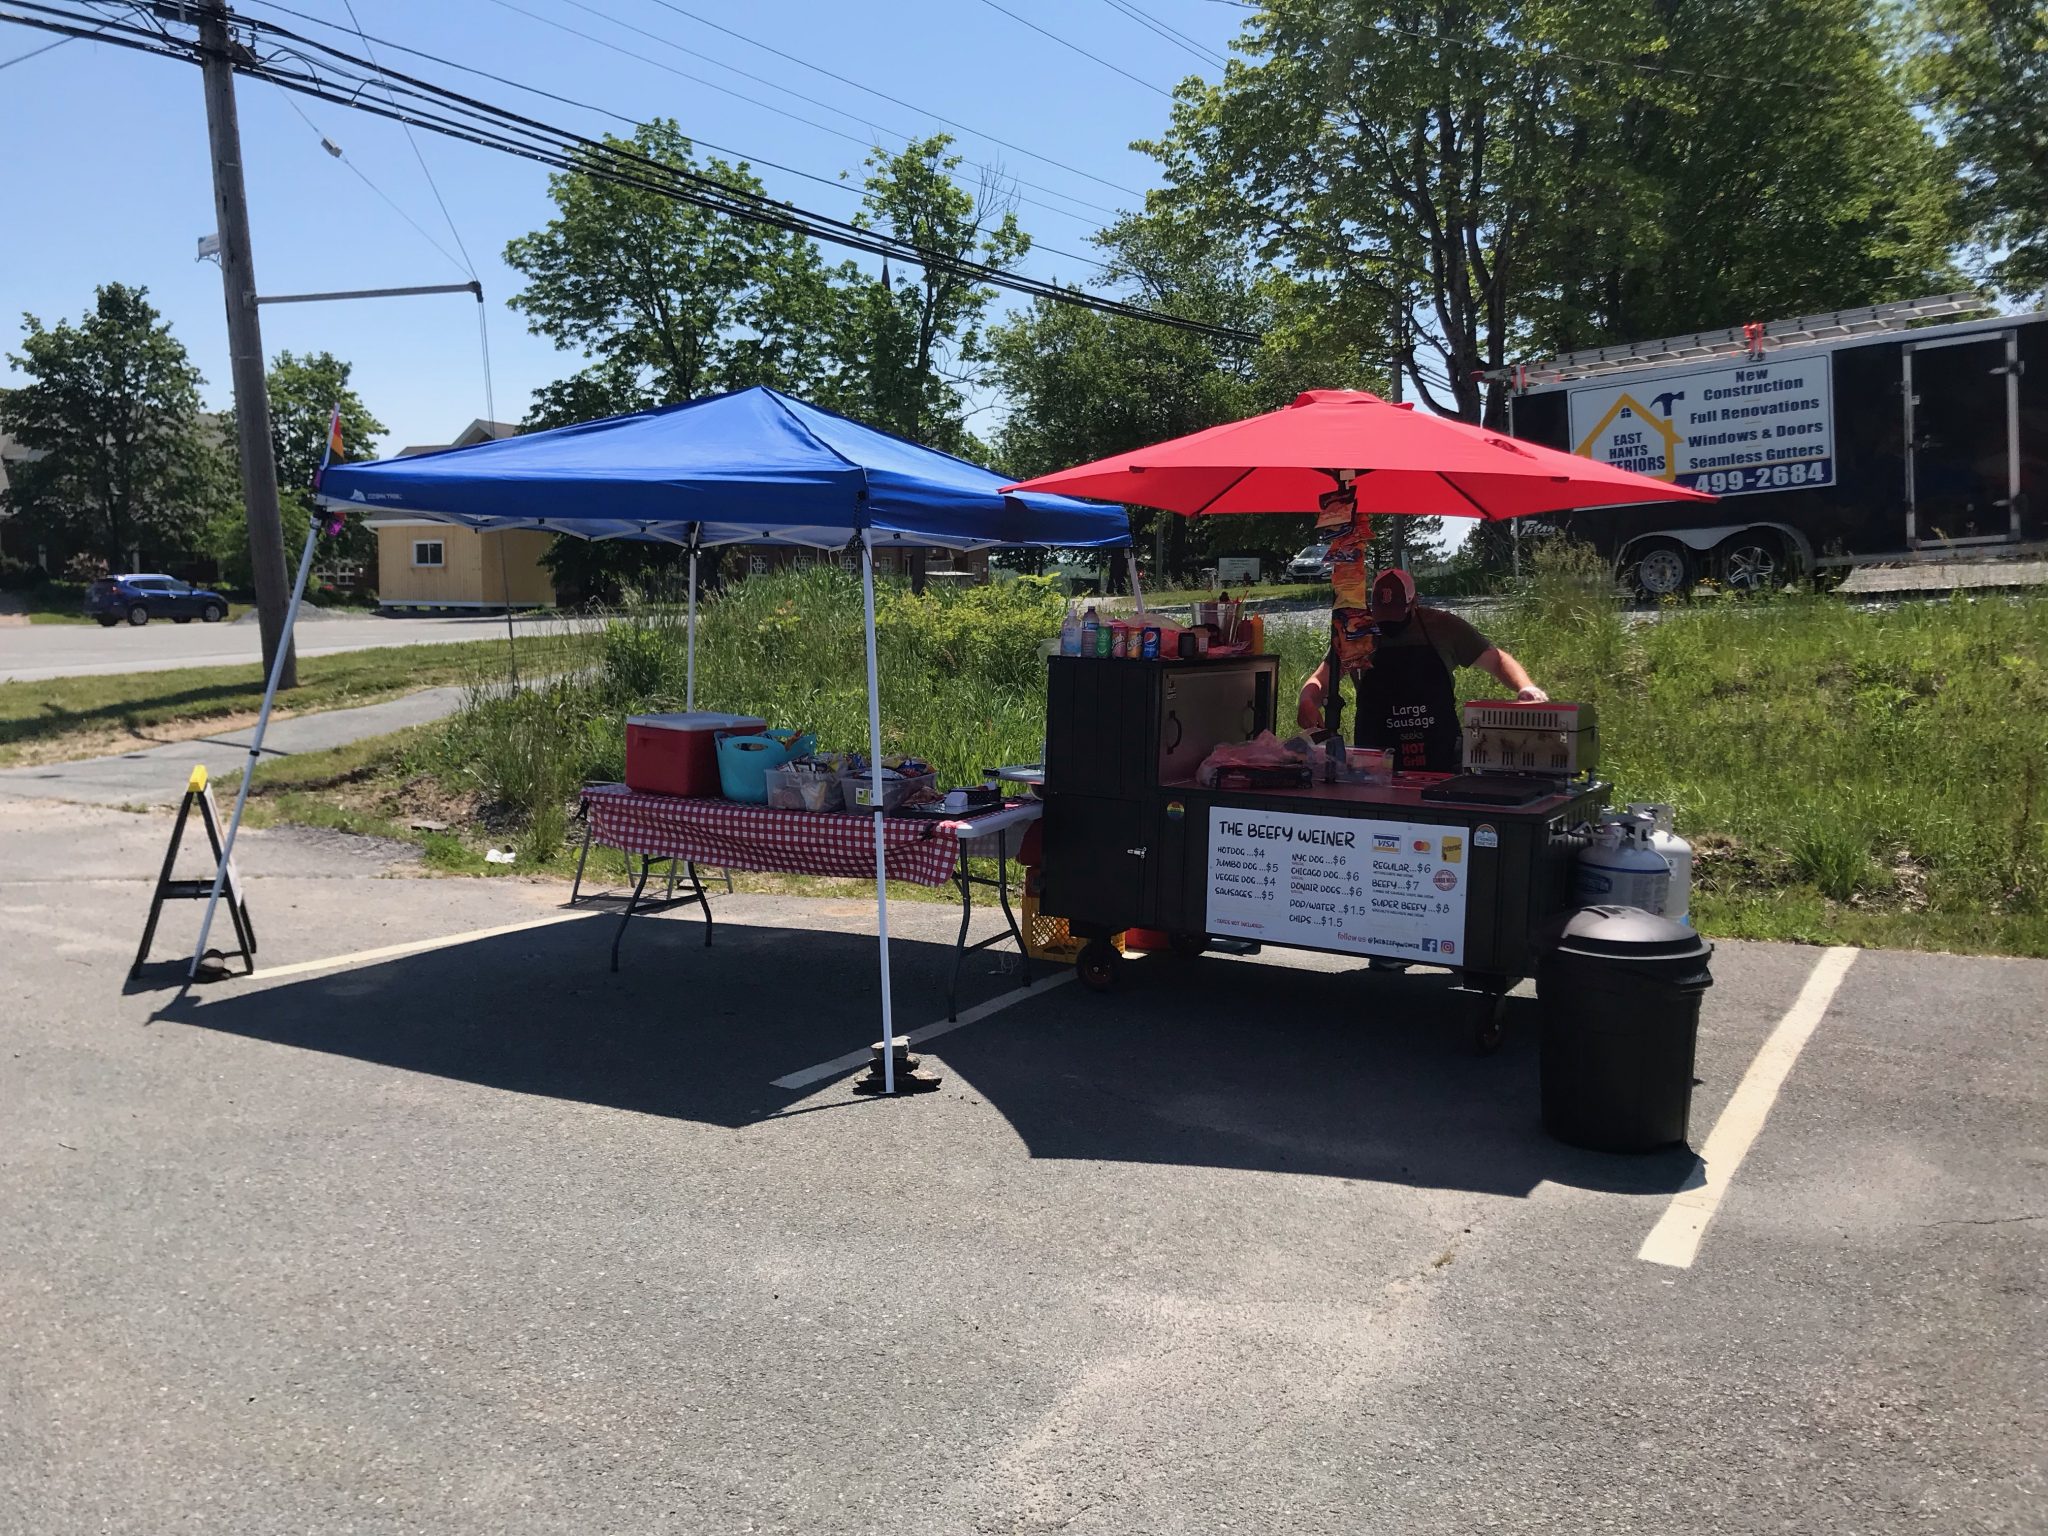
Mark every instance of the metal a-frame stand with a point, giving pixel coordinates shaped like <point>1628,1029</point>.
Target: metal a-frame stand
<point>168,888</point>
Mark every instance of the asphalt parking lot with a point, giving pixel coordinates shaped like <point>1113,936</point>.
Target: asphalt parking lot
<point>482,1237</point>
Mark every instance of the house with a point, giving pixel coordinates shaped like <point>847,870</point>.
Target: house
<point>423,564</point>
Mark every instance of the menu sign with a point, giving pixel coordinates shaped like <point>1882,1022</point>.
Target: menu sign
<point>1392,888</point>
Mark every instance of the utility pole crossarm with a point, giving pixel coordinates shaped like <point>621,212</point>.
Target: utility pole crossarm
<point>372,293</point>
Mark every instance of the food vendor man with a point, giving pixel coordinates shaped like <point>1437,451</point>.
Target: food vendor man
<point>1401,657</point>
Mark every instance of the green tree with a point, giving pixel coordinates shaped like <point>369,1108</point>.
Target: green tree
<point>112,404</point>
<point>1509,174</point>
<point>304,392</point>
<point>667,300</point>
<point>1083,385</point>
<point>1755,181</point>
<point>1982,71</point>
<point>910,344</point>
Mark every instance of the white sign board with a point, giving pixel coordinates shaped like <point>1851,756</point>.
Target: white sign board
<point>1392,888</point>
<point>1732,430</point>
<point>1237,571</point>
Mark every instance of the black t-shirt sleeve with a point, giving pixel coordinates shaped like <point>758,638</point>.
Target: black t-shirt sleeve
<point>1456,640</point>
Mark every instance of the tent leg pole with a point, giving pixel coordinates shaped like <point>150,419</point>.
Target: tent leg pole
<point>690,639</point>
<point>284,649</point>
<point>1137,591</point>
<point>867,592</point>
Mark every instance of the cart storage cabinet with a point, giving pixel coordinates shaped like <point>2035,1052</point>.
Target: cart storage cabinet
<point>1115,730</point>
<point>1132,841</point>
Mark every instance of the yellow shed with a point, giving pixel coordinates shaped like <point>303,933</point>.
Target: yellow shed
<point>424,564</point>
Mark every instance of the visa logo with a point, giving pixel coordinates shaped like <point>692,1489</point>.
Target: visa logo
<point>1385,843</point>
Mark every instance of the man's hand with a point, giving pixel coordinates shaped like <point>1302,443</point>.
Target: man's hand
<point>1308,714</point>
<point>1531,694</point>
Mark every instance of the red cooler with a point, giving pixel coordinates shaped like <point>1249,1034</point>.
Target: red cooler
<point>678,754</point>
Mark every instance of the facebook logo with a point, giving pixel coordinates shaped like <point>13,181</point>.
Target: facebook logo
<point>1429,946</point>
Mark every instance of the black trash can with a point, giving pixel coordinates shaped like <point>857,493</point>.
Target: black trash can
<point>1619,991</point>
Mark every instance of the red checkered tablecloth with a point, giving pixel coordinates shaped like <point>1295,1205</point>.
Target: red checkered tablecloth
<point>729,835</point>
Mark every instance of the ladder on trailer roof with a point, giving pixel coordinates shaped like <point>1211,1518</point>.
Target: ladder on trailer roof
<point>1752,340</point>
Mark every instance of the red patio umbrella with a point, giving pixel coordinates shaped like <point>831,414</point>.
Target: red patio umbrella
<point>1404,461</point>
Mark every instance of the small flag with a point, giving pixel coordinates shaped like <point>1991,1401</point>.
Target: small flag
<point>333,451</point>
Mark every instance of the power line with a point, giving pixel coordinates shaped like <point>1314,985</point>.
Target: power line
<point>335,150</point>
<point>510,132</point>
<point>803,63</point>
<point>433,185</point>
<point>34,53</point>
<point>836,184</point>
<point>1077,48</point>
<point>1172,34</point>
<point>499,128</point>
<point>864,142</point>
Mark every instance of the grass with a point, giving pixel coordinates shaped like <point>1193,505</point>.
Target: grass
<point>1846,776</point>
<point>48,720</point>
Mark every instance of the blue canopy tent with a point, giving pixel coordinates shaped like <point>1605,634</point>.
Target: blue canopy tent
<point>754,467</point>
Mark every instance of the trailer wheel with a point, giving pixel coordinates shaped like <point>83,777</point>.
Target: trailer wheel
<point>1662,568</point>
<point>1188,945</point>
<point>1097,965</point>
<point>1752,562</point>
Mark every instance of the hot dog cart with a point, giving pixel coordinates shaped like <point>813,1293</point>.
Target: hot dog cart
<point>1460,873</point>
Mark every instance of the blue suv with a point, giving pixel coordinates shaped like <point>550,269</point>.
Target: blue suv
<point>138,599</point>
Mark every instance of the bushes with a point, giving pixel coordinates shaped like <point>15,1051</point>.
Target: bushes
<point>19,575</point>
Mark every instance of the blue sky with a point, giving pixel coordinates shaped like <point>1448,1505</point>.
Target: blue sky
<point>108,171</point>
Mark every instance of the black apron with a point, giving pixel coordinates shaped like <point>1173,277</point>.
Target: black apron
<point>1407,704</point>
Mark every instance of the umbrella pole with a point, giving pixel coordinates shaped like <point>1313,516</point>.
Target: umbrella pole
<point>867,592</point>
<point>690,639</point>
<point>1137,591</point>
<point>284,649</point>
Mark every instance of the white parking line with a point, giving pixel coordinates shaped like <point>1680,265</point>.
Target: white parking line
<point>974,1015</point>
<point>1675,1240</point>
<point>395,951</point>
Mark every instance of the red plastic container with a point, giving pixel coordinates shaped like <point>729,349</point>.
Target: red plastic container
<point>678,754</point>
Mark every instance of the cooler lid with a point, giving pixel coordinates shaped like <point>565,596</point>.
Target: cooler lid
<point>1629,933</point>
<point>697,720</point>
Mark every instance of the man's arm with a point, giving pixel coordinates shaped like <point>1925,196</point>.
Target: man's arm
<point>1510,671</point>
<point>1308,712</point>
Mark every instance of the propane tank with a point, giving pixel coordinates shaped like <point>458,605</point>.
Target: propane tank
<point>1677,852</point>
<point>1618,867</point>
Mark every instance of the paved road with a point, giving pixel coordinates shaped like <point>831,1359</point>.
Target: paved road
<point>35,651</point>
<point>157,775</point>
<point>487,1238</point>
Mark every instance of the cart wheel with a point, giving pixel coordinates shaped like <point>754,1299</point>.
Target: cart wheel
<point>1490,1022</point>
<point>1188,944</point>
<point>1097,966</point>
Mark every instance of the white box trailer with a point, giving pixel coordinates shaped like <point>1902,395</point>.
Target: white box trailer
<point>1883,435</point>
